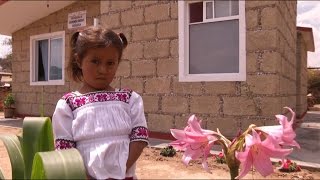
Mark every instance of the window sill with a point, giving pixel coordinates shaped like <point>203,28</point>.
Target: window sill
<point>47,83</point>
<point>212,77</point>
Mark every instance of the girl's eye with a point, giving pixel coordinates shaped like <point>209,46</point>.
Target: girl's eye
<point>95,61</point>
<point>111,63</point>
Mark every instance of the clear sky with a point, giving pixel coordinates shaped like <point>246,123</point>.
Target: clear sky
<point>308,16</point>
<point>4,49</point>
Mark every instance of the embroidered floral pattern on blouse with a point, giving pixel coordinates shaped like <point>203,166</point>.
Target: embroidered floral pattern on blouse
<point>139,133</point>
<point>76,101</point>
<point>67,95</point>
<point>64,144</point>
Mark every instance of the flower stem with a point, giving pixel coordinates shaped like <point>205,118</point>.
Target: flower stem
<point>234,171</point>
<point>232,162</point>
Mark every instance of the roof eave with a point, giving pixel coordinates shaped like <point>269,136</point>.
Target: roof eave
<point>307,35</point>
<point>28,12</point>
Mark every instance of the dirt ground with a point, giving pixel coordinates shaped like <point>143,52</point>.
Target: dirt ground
<point>152,165</point>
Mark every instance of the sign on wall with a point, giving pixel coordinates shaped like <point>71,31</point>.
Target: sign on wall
<point>77,19</point>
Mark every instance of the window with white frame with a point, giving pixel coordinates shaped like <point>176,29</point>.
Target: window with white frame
<point>47,54</point>
<point>212,40</point>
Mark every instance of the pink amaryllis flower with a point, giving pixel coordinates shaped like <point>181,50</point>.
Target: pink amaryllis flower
<point>257,153</point>
<point>194,140</point>
<point>284,132</point>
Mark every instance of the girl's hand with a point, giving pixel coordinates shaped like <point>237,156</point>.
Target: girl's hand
<point>135,150</point>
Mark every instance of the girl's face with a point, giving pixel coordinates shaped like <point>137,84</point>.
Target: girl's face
<point>99,67</point>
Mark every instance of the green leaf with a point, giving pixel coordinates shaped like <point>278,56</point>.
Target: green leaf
<point>1,175</point>
<point>62,164</point>
<point>13,146</point>
<point>37,137</point>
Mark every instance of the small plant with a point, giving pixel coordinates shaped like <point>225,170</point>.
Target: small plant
<point>219,158</point>
<point>168,151</point>
<point>252,148</point>
<point>8,101</point>
<point>289,166</point>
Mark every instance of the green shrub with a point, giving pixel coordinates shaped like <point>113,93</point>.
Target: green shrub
<point>8,101</point>
<point>168,151</point>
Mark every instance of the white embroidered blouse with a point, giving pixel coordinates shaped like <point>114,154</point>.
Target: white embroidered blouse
<point>101,125</point>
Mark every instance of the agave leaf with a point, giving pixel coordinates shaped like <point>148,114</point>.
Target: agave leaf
<point>13,146</point>
<point>37,137</point>
<point>62,164</point>
<point>1,175</point>
<point>20,140</point>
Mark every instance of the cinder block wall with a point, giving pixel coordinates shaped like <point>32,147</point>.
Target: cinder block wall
<point>271,48</point>
<point>150,65</point>
<point>28,98</point>
<point>287,45</point>
<point>302,76</point>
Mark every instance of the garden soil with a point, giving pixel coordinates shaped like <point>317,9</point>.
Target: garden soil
<point>152,165</point>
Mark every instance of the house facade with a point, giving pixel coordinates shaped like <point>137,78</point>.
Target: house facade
<point>231,63</point>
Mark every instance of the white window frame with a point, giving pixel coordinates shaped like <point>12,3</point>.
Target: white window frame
<point>183,20</point>
<point>48,36</point>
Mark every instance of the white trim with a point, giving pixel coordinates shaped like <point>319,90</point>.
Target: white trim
<point>242,41</point>
<point>212,77</point>
<point>213,15</point>
<point>182,39</point>
<point>217,19</point>
<point>31,59</point>
<point>205,11</point>
<point>49,36</point>
<point>47,83</point>
<point>183,22</point>
<point>49,59</point>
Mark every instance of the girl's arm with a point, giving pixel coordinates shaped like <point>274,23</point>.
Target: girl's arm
<point>135,150</point>
<point>139,133</point>
<point>62,125</point>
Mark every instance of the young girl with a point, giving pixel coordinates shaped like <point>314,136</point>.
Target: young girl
<point>107,125</point>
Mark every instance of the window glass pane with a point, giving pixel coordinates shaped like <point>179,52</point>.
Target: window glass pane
<point>42,60</point>
<point>209,13</point>
<point>214,47</point>
<point>196,12</point>
<point>234,8</point>
<point>223,8</point>
<point>56,59</point>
